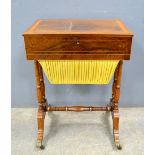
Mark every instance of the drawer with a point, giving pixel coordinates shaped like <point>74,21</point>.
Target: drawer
<point>75,47</point>
<point>77,44</point>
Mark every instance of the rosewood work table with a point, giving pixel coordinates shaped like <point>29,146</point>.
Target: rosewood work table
<point>78,51</point>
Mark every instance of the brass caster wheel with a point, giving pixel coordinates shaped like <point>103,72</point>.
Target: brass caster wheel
<point>119,147</point>
<point>40,145</point>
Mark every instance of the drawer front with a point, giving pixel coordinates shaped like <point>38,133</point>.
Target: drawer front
<point>50,45</point>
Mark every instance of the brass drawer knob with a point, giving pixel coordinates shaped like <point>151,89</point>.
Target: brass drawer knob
<point>78,42</point>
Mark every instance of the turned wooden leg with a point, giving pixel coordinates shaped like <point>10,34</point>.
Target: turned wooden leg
<point>116,128</point>
<point>115,101</point>
<point>40,118</point>
<point>40,89</point>
<point>113,87</point>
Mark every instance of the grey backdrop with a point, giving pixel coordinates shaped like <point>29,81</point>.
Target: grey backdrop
<point>25,12</point>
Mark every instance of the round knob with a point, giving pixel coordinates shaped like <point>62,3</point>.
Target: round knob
<point>78,42</point>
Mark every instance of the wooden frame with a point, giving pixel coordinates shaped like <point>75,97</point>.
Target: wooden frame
<point>43,106</point>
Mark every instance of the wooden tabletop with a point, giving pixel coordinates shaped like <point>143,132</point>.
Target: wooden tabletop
<point>78,26</point>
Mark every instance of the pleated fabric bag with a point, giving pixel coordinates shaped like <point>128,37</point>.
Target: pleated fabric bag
<point>79,71</point>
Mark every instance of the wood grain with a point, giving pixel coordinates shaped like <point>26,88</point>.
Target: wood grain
<point>78,26</point>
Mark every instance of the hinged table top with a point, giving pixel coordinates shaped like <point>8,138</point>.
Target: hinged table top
<point>78,26</point>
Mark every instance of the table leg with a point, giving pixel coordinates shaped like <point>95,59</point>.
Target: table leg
<point>42,103</point>
<point>115,101</point>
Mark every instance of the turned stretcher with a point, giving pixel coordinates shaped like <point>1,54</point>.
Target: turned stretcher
<point>78,52</point>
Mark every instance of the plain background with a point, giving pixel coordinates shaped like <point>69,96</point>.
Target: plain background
<point>24,13</point>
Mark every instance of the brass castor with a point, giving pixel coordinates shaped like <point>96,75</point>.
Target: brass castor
<point>40,145</point>
<point>119,147</point>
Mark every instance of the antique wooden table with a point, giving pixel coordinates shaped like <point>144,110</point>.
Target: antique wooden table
<point>70,39</point>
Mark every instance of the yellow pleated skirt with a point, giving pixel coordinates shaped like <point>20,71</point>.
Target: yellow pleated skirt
<point>79,71</point>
